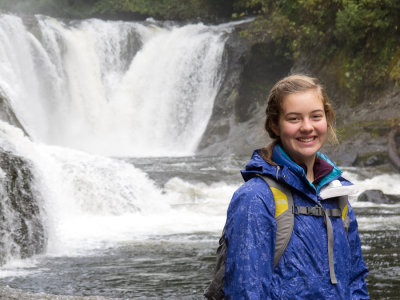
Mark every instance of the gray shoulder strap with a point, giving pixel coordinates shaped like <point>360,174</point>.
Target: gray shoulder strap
<point>344,206</point>
<point>284,222</point>
<point>342,192</point>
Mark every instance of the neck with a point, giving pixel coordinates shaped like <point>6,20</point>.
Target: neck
<point>310,168</point>
<point>310,174</point>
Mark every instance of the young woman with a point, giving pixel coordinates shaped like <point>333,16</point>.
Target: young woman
<point>299,119</point>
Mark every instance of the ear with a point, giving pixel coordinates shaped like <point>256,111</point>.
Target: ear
<point>274,127</point>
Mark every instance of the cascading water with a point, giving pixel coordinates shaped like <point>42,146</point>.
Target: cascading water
<point>113,88</point>
<point>90,201</point>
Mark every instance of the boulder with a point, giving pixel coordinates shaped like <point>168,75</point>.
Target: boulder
<point>393,151</point>
<point>22,233</point>
<point>7,113</point>
<point>377,196</point>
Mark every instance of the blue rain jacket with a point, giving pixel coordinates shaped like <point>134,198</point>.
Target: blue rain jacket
<point>303,270</point>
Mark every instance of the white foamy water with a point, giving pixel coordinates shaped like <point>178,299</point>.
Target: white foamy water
<point>379,223</point>
<point>112,88</point>
<point>387,219</point>
<point>93,201</point>
<point>387,183</point>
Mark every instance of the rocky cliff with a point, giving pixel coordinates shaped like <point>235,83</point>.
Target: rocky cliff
<point>236,126</point>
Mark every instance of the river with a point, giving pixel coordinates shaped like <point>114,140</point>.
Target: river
<point>114,112</point>
<point>168,252</point>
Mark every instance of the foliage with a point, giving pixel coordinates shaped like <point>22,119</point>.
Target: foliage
<point>376,128</point>
<point>35,6</point>
<point>368,32</point>
<point>160,9</point>
<point>360,36</point>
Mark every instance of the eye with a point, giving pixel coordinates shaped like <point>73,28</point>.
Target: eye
<point>293,119</point>
<point>317,116</point>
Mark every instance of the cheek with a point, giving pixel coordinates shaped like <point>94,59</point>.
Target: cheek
<point>322,132</point>
<point>323,128</point>
<point>287,129</point>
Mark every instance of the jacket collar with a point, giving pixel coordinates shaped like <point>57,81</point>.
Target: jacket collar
<point>288,171</point>
<point>281,158</point>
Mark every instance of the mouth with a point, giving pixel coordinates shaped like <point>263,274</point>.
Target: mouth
<point>306,140</point>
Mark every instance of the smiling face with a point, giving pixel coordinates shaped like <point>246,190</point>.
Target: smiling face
<point>302,127</point>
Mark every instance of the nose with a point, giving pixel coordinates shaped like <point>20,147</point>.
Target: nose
<point>306,125</point>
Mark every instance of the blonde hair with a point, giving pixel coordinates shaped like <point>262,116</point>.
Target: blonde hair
<point>292,84</point>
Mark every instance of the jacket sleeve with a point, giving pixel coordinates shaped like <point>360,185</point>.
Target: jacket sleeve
<point>250,234</point>
<point>359,270</point>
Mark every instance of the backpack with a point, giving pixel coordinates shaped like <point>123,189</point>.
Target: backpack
<point>284,214</point>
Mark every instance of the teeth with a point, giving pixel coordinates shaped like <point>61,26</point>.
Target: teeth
<point>306,140</point>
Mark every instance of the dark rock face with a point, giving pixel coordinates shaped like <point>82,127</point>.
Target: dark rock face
<point>263,68</point>
<point>22,233</point>
<point>7,114</point>
<point>223,111</point>
<point>393,152</point>
<point>237,122</point>
<point>236,126</point>
<point>378,196</point>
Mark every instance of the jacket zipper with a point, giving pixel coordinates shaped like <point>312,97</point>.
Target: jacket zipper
<point>277,172</point>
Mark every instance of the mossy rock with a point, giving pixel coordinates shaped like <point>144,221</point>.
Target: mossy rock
<point>371,159</point>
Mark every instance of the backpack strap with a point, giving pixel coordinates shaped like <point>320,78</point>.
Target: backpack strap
<point>319,211</point>
<point>284,216</point>
<point>336,189</point>
<point>343,203</point>
<point>329,230</point>
<point>215,290</point>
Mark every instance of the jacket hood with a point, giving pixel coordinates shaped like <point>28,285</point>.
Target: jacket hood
<point>258,166</point>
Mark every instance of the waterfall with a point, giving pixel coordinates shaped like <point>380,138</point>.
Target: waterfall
<point>109,87</point>
<point>87,92</point>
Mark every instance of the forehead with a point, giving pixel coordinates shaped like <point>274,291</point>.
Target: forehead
<point>301,102</point>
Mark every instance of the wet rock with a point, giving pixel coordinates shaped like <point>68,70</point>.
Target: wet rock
<point>371,159</point>
<point>377,196</point>
<point>7,114</point>
<point>393,152</point>
<point>22,233</point>
<point>222,117</point>
<point>237,122</point>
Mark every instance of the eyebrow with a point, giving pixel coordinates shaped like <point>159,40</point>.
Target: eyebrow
<point>297,113</point>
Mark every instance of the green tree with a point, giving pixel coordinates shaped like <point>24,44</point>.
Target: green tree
<point>358,38</point>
